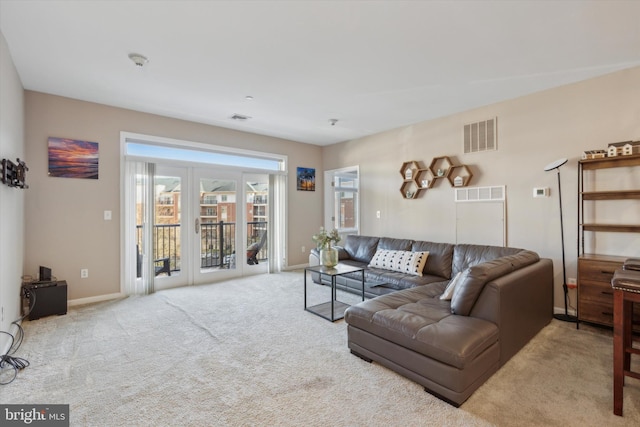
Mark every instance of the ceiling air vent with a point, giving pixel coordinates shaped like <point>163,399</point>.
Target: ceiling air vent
<point>240,117</point>
<point>481,136</point>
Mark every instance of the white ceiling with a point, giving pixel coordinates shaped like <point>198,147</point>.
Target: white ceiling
<point>373,65</point>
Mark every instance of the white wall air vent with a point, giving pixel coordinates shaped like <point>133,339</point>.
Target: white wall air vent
<point>485,220</point>
<point>495,193</point>
<point>481,136</point>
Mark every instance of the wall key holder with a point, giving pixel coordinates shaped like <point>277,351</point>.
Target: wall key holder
<point>14,174</point>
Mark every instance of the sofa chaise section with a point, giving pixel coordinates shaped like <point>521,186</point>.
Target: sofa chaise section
<point>503,298</point>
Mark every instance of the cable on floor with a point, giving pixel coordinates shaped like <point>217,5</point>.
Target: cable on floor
<point>7,361</point>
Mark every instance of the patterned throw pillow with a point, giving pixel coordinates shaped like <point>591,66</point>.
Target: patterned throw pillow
<point>400,261</point>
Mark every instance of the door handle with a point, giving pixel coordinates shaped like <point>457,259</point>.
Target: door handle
<point>197,225</point>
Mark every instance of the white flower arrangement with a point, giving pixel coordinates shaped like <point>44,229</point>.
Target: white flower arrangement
<point>323,239</point>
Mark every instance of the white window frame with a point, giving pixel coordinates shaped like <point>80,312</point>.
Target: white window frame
<point>331,210</point>
<point>199,147</point>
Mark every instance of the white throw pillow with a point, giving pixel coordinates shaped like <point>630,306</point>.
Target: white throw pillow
<point>401,261</point>
<point>448,292</point>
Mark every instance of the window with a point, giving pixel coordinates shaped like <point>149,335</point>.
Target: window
<point>344,200</point>
<point>209,199</point>
<point>201,153</point>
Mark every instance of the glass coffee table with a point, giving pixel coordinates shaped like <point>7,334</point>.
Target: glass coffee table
<point>331,310</point>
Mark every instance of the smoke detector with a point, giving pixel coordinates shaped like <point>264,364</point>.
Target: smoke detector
<point>240,117</point>
<point>139,60</point>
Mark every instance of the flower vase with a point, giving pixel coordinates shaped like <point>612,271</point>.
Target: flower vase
<point>328,256</point>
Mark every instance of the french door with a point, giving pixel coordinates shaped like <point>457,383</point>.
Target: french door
<point>257,223</point>
<point>208,225</point>
<point>217,211</point>
<point>230,223</point>
<point>196,213</point>
<point>170,238</point>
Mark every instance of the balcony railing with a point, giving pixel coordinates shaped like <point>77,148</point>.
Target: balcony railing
<point>217,243</point>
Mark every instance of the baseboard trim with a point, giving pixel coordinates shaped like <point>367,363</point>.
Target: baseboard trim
<point>99,298</point>
<point>295,267</point>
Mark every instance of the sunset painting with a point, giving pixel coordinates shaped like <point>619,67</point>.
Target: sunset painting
<point>69,158</point>
<point>306,179</point>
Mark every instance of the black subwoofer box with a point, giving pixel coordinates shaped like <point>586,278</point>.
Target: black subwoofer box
<point>46,298</point>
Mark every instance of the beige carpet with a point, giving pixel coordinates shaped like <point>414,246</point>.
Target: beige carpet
<point>245,353</point>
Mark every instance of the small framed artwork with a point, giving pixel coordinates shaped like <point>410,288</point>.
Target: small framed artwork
<point>306,179</point>
<point>70,158</point>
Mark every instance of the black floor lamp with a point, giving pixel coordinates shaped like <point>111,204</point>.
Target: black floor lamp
<point>566,317</point>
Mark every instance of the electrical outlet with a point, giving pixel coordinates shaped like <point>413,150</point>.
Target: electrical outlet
<point>378,214</point>
<point>572,283</point>
<point>84,273</point>
<point>304,250</point>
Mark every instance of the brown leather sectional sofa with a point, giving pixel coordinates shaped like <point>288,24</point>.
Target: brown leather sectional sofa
<point>502,298</point>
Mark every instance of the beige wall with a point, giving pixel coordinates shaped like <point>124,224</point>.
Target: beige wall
<point>64,217</point>
<point>64,221</point>
<point>533,131</point>
<point>11,199</point>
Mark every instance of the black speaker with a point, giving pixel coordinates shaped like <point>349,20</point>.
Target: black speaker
<point>46,299</point>
<point>45,274</point>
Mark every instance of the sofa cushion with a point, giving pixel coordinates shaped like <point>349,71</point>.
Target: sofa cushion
<point>398,281</point>
<point>395,244</point>
<point>401,261</point>
<point>465,256</point>
<point>440,257</point>
<point>522,259</point>
<point>474,278</point>
<point>472,282</point>
<point>361,248</point>
<point>413,319</point>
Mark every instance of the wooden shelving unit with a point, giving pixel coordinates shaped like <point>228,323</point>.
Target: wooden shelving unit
<point>416,179</point>
<point>440,167</point>
<point>461,172</point>
<point>595,296</point>
<point>410,189</point>
<point>611,195</point>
